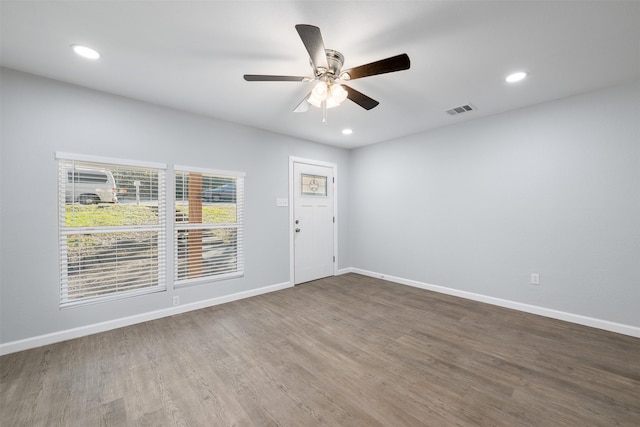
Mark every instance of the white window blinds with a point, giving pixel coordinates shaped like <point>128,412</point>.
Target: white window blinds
<point>112,237</point>
<point>208,231</point>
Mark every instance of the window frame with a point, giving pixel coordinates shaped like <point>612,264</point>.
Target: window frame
<point>179,226</point>
<point>64,231</point>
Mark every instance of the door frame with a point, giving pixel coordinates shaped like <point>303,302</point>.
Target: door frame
<point>292,160</point>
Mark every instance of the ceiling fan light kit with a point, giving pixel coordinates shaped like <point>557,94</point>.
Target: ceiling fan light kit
<point>329,90</point>
<point>332,94</point>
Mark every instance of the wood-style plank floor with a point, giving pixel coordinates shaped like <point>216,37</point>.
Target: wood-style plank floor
<point>342,351</point>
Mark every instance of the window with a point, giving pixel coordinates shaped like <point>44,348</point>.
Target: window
<point>208,224</point>
<point>313,185</point>
<point>112,225</point>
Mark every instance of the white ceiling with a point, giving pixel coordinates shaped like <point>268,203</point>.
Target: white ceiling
<point>191,55</point>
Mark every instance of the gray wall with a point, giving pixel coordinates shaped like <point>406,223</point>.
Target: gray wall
<point>40,117</point>
<point>553,189</point>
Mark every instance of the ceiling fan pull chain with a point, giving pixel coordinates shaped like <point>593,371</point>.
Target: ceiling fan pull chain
<point>324,111</point>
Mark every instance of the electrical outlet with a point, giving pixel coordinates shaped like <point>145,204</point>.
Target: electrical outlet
<point>176,300</point>
<point>535,279</point>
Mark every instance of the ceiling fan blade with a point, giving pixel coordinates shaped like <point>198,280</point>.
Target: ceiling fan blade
<point>303,106</point>
<point>266,78</point>
<point>312,40</point>
<point>388,65</point>
<point>360,98</point>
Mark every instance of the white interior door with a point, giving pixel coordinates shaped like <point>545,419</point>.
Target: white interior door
<point>313,214</point>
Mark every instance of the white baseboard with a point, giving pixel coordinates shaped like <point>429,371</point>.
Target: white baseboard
<point>27,343</point>
<point>606,325</point>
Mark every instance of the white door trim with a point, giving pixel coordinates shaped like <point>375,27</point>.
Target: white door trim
<point>292,160</point>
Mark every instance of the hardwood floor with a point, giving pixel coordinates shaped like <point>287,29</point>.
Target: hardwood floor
<point>342,351</point>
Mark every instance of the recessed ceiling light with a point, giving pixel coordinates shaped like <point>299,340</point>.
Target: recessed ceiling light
<point>347,131</point>
<point>516,77</point>
<point>85,52</point>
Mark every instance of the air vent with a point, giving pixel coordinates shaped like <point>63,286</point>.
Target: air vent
<point>460,110</point>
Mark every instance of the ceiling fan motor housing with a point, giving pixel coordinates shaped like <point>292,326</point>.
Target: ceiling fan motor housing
<point>335,60</point>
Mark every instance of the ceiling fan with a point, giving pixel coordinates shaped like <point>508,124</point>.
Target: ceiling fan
<point>330,90</point>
